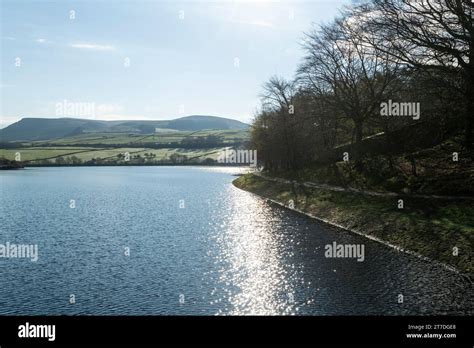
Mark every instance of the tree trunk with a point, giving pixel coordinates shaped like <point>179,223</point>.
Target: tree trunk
<point>358,144</point>
<point>358,133</point>
<point>469,112</point>
<point>469,97</point>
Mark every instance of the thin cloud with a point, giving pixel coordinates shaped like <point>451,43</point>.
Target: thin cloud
<point>92,46</point>
<point>43,41</point>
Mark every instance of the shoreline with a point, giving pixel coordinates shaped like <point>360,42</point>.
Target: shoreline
<point>281,193</point>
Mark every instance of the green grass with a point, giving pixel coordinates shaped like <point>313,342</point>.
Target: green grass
<point>29,154</point>
<point>429,227</point>
<point>87,153</point>
<point>80,145</point>
<point>161,137</point>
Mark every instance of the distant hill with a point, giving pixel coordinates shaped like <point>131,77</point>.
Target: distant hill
<point>52,128</point>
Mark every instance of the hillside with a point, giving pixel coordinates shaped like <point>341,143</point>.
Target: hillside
<point>30,129</point>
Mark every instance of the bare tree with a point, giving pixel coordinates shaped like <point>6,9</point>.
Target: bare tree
<point>357,76</point>
<point>432,35</point>
<point>277,102</point>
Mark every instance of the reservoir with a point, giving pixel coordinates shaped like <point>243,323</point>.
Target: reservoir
<point>184,241</point>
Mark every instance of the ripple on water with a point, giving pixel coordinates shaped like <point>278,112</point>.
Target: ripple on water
<point>226,252</point>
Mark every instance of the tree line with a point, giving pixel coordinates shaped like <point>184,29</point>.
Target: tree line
<point>378,52</point>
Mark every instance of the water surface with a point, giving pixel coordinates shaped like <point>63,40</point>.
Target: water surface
<point>198,245</point>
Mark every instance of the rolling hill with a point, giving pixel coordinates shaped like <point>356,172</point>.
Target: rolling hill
<point>31,129</point>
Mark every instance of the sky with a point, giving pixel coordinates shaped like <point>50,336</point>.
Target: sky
<point>148,60</point>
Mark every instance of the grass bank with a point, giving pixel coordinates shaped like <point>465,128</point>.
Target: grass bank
<point>429,227</point>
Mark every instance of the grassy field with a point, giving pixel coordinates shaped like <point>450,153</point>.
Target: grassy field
<point>36,153</point>
<point>87,147</point>
<point>162,137</point>
<point>87,153</point>
<point>429,227</point>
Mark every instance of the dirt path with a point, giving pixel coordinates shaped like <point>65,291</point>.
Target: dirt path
<point>354,190</point>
